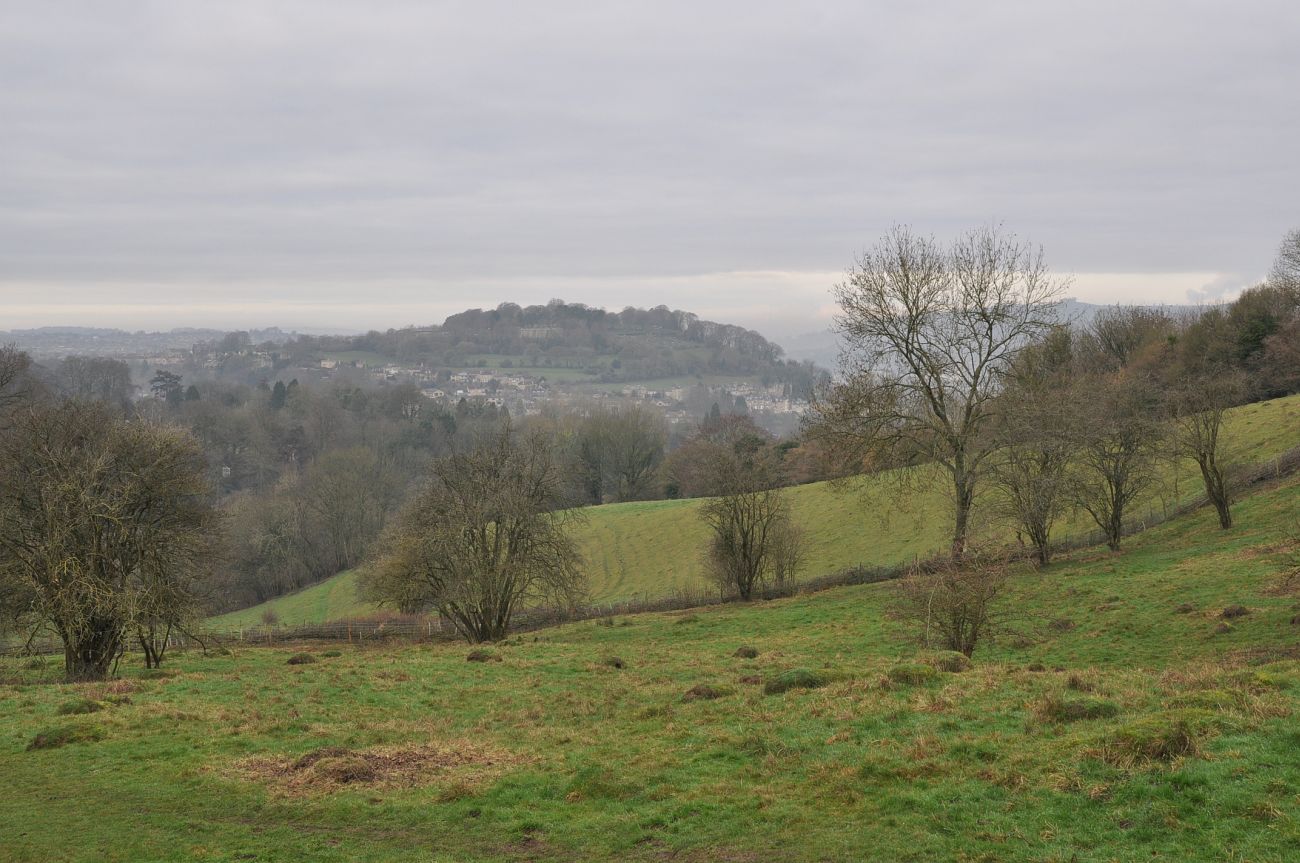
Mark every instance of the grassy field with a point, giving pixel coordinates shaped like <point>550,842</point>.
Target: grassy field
<point>650,550</point>
<point>1121,717</point>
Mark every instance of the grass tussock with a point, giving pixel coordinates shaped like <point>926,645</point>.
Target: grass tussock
<point>1057,709</point>
<point>950,661</point>
<point>912,673</point>
<point>798,678</point>
<point>705,692</point>
<point>55,738</point>
<point>1157,739</point>
<point>80,706</point>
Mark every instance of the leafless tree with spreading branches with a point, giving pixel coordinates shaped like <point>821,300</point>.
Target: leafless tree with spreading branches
<point>929,331</point>
<point>487,537</point>
<point>105,526</point>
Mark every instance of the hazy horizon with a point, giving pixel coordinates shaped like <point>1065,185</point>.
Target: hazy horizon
<point>311,165</point>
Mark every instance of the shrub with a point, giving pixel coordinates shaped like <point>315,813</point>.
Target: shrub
<point>911,673</point>
<point>946,660</point>
<point>1163,737</point>
<point>1058,709</point>
<point>81,705</point>
<point>63,735</point>
<point>301,659</point>
<point>705,692</point>
<point>799,678</point>
<point>745,652</point>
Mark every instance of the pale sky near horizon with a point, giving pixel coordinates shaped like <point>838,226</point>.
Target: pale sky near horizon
<point>322,164</point>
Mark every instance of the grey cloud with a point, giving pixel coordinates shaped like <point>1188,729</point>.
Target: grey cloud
<point>326,143</point>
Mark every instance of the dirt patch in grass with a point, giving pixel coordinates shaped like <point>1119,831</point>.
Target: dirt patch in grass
<point>321,771</point>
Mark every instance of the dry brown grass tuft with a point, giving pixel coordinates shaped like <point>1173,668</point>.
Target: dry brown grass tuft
<point>461,764</point>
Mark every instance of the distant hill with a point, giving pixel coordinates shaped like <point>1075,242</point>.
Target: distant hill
<point>629,345</point>
<point>58,342</point>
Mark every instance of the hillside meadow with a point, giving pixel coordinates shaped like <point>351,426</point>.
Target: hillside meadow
<point>1140,706</point>
<point>652,549</point>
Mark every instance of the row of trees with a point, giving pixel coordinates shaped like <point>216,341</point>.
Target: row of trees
<point>956,358</point>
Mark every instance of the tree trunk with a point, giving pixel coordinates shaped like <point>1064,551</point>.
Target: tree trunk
<point>89,657</point>
<point>1216,489</point>
<point>963,500</point>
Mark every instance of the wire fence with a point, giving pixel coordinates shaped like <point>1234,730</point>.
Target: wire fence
<point>432,628</point>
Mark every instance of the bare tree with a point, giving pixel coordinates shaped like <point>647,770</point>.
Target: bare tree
<point>484,539</point>
<point>956,604</point>
<point>16,383</point>
<point>1199,407</point>
<point>102,524</point>
<point>753,540</point>
<point>1035,442</point>
<point>98,378</point>
<point>1286,268</point>
<point>617,452</point>
<point>1117,443</point>
<point>929,332</point>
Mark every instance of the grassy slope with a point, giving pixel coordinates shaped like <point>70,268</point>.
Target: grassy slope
<point>596,763</point>
<point>651,549</point>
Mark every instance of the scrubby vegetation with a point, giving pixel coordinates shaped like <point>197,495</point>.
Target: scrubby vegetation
<point>1143,735</point>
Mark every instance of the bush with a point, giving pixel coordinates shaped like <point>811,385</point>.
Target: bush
<point>62,736</point>
<point>1058,709</point>
<point>912,673</point>
<point>946,660</point>
<point>80,706</point>
<point>301,659</point>
<point>745,652</point>
<point>799,678</point>
<point>1163,737</point>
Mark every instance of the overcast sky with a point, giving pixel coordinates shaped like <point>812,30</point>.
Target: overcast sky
<point>376,164</point>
